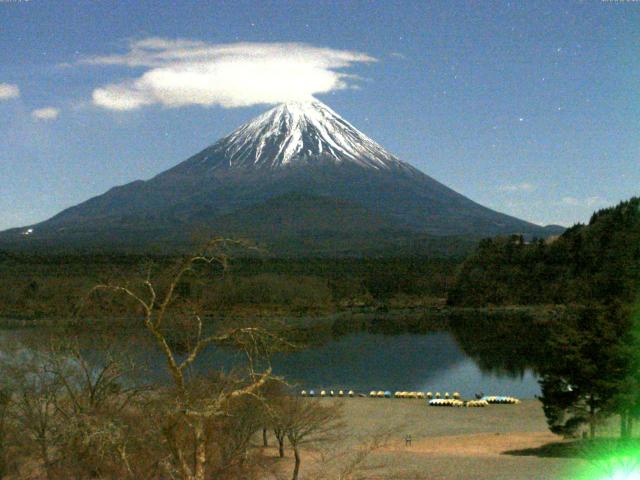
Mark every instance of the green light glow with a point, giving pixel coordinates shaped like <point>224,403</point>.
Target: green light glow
<point>624,474</point>
<point>619,463</point>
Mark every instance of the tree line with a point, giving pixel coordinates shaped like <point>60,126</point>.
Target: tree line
<point>596,262</point>
<point>592,367</point>
<point>45,286</point>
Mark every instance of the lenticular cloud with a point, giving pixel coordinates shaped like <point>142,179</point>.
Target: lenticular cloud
<point>185,72</point>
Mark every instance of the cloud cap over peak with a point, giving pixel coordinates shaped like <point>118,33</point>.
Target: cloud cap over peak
<point>187,72</point>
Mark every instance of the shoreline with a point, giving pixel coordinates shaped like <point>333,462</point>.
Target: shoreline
<point>300,319</point>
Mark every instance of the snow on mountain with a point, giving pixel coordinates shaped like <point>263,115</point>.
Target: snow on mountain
<point>294,133</point>
<point>298,172</point>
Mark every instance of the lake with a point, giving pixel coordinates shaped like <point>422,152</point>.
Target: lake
<point>444,361</point>
<point>413,362</point>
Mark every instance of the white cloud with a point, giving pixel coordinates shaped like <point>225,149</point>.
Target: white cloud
<point>8,90</point>
<point>48,113</point>
<point>518,187</point>
<point>587,202</point>
<point>186,72</point>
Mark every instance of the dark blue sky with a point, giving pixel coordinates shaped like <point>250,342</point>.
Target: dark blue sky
<point>529,107</point>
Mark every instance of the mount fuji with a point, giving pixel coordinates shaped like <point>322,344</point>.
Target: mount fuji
<point>298,177</point>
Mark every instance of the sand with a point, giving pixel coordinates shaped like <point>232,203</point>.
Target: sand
<point>495,442</point>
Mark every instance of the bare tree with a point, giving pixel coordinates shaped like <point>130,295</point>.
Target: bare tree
<point>69,410</point>
<point>279,431</point>
<point>190,414</point>
<point>5,404</point>
<point>34,397</point>
<point>94,433</point>
<point>92,386</point>
<point>274,414</point>
<point>340,462</point>
<point>307,421</point>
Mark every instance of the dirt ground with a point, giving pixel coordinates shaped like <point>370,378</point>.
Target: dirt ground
<point>495,442</point>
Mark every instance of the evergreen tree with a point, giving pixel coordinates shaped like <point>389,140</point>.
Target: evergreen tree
<point>586,377</point>
<point>626,402</point>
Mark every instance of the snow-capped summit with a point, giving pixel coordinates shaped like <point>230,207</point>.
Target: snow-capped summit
<point>298,133</point>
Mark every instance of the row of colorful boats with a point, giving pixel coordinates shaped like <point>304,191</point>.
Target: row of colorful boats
<point>329,393</point>
<point>482,402</point>
<point>436,400</point>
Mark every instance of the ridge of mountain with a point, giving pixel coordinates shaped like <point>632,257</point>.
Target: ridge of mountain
<point>297,147</point>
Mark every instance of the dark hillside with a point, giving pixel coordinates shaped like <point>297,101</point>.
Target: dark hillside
<point>598,262</point>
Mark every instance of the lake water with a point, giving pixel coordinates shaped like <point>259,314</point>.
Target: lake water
<point>413,362</point>
<point>360,361</point>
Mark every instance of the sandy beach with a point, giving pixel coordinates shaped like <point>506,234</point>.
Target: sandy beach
<point>494,442</point>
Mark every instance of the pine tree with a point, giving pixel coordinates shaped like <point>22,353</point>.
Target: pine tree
<point>584,380</point>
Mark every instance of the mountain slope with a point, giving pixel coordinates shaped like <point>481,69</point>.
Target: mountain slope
<point>299,147</point>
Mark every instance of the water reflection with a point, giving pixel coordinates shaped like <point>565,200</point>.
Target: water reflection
<point>468,379</point>
<point>415,362</point>
<point>503,342</point>
<point>478,354</point>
